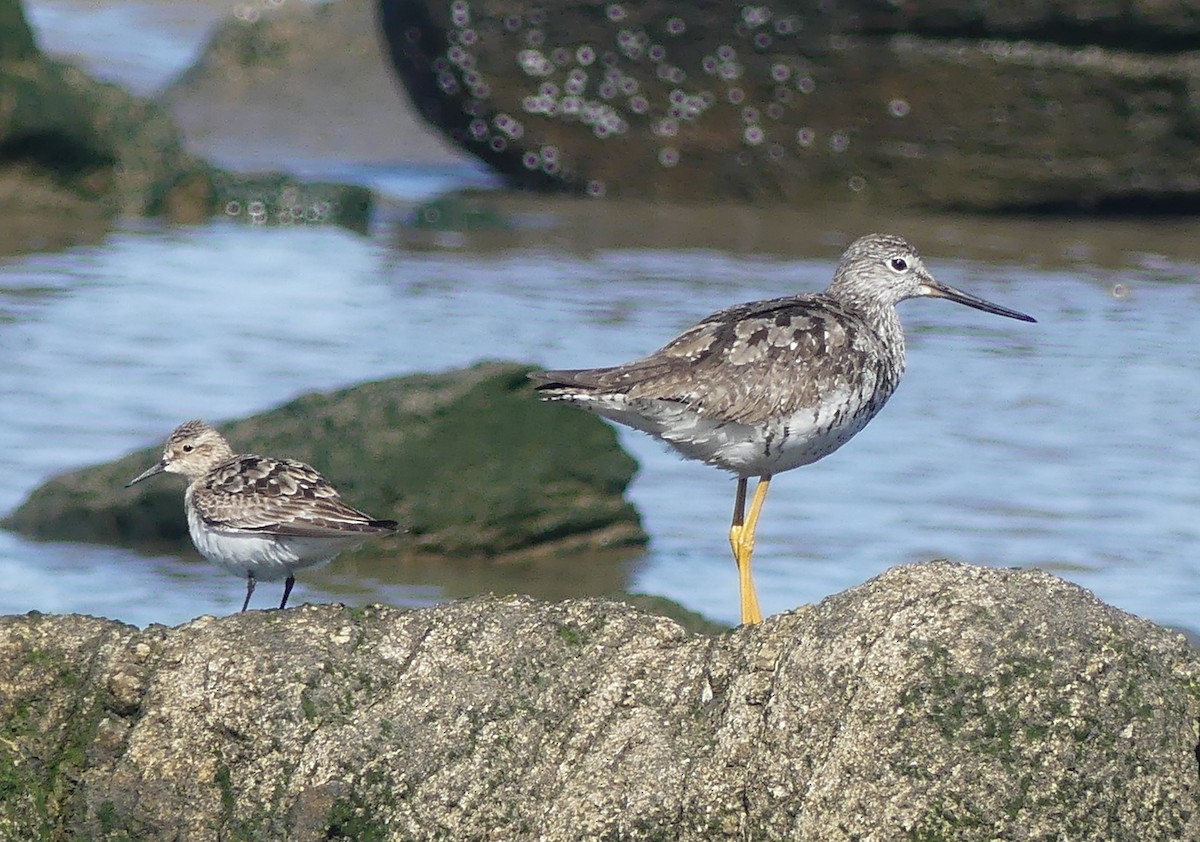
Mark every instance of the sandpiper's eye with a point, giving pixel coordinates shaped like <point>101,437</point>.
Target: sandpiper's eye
<point>187,448</point>
<point>899,264</point>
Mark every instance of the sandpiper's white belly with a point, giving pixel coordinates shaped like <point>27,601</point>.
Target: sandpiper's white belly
<point>268,557</point>
<point>748,450</point>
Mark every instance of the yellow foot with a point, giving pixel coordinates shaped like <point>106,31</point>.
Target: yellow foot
<point>741,540</point>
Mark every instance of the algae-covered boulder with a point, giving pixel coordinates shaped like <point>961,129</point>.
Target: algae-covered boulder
<point>76,153</point>
<point>67,139</point>
<point>277,198</point>
<point>987,106</point>
<point>937,701</point>
<point>469,462</point>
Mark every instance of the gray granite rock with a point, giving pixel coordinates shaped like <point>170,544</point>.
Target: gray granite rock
<point>938,701</point>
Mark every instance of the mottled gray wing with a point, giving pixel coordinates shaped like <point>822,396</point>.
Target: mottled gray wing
<point>279,497</point>
<point>747,363</point>
<point>687,350</point>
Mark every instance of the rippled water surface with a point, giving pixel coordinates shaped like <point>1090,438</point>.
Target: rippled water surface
<point>138,44</point>
<point>1069,445</point>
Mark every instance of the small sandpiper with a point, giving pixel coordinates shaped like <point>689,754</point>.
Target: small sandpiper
<point>259,518</point>
<point>768,386</point>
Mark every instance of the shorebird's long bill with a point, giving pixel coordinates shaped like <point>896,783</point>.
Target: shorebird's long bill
<point>937,289</point>
<point>157,468</point>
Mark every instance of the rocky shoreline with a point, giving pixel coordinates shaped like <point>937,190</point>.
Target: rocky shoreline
<point>937,701</point>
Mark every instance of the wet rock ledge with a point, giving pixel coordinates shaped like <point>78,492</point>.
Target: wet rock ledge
<point>1023,105</point>
<point>469,462</point>
<point>938,701</point>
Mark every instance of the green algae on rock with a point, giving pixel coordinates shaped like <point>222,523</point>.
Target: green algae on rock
<point>277,198</point>
<point>469,462</point>
<point>81,140</point>
<point>937,701</point>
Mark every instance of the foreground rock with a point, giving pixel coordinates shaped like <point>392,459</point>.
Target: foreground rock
<point>936,702</point>
<point>1024,105</point>
<point>469,462</point>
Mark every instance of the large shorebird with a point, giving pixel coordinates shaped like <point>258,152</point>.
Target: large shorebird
<point>765,387</point>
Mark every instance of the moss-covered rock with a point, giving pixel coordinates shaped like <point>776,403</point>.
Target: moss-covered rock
<point>281,199</point>
<point>937,701</point>
<point>16,38</point>
<point>470,462</point>
<point>91,141</point>
<point>76,153</point>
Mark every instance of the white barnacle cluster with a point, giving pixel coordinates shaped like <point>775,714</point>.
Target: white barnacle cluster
<point>755,16</point>
<point>723,63</point>
<point>534,63</point>
<point>574,91</point>
<point>457,74</point>
<point>754,24</point>
<point>633,72</point>
<point>633,43</point>
<point>545,158</point>
<point>509,126</point>
<point>289,208</point>
<point>685,106</point>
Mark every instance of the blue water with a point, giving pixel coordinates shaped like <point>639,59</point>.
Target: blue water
<point>138,44</point>
<point>1070,445</point>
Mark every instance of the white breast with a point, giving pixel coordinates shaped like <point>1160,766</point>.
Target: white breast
<point>746,450</point>
<point>268,557</point>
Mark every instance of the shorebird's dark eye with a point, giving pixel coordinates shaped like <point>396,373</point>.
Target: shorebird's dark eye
<point>187,448</point>
<point>899,264</point>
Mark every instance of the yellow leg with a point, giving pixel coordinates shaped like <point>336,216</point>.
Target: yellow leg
<point>741,539</point>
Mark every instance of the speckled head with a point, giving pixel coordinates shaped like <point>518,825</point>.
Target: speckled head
<point>881,270</point>
<point>193,449</point>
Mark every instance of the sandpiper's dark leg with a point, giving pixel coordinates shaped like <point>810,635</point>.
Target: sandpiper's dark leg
<point>739,517</point>
<point>739,504</point>
<point>741,538</point>
<point>249,590</point>
<point>287,590</point>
